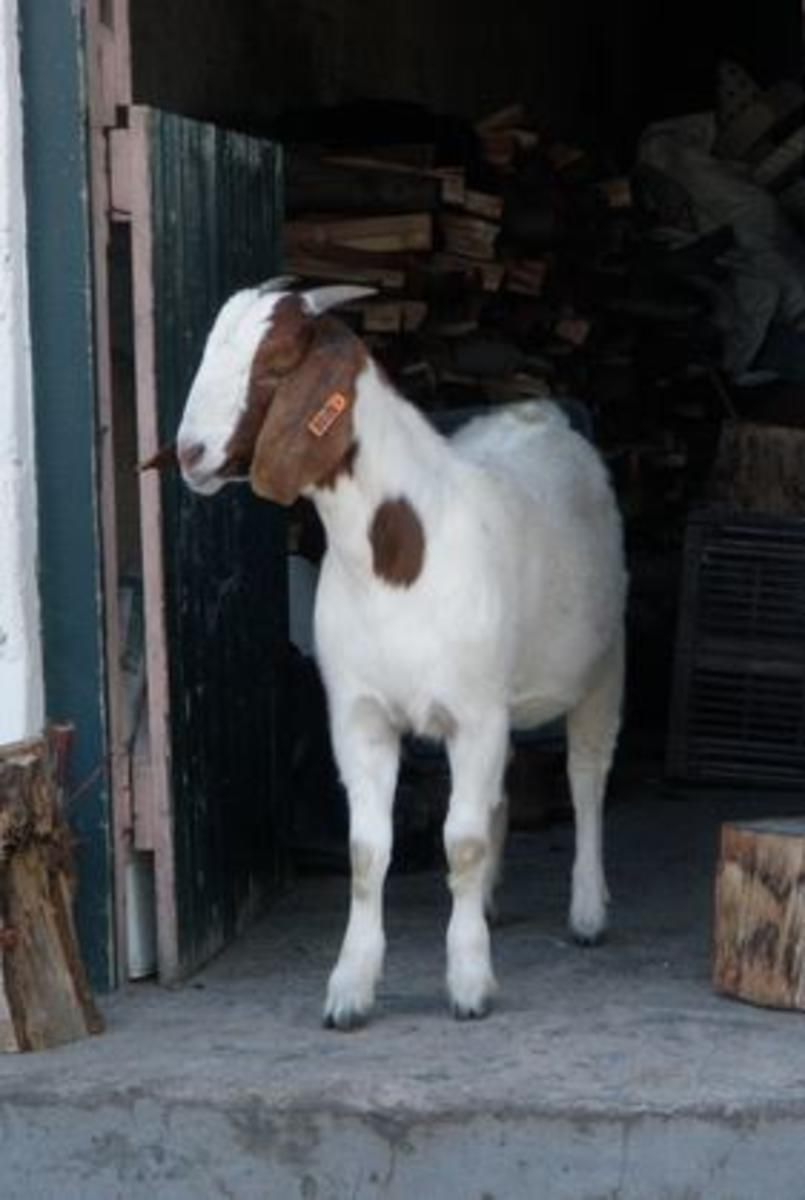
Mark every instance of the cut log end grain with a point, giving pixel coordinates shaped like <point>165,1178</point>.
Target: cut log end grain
<point>759,933</point>
<point>45,998</point>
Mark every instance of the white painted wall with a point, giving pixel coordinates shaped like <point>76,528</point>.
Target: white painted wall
<point>21,683</point>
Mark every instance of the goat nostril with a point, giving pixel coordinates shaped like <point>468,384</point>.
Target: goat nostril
<point>190,455</point>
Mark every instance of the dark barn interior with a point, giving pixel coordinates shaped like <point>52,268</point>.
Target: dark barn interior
<point>552,259</point>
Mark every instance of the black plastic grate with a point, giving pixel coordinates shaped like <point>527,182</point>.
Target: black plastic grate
<point>738,703</point>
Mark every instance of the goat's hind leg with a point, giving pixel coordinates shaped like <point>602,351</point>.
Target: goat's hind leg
<point>592,730</point>
<point>367,750</point>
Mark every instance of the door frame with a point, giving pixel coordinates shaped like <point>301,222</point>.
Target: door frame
<point>68,432</point>
<point>119,189</point>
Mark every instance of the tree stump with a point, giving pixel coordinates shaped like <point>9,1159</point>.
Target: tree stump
<point>45,998</point>
<point>759,950</point>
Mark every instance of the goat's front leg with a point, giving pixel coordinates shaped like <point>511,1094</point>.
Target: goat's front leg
<point>473,841</point>
<point>367,751</point>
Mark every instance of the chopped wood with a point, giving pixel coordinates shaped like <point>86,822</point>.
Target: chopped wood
<point>617,192</point>
<point>562,156</point>
<point>499,148</point>
<point>380,235</point>
<point>502,118</point>
<point>526,276</point>
<point>409,154</point>
<point>759,468</point>
<point>490,274</point>
<point>392,316</point>
<point>525,139</point>
<point>469,236</point>
<point>345,267</point>
<point>453,184</point>
<point>483,204</point>
<point>357,185</point>
<point>449,180</point>
<point>759,934</point>
<point>574,330</point>
<point>45,998</point>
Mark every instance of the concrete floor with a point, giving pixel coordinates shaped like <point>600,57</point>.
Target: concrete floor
<point>611,1072</point>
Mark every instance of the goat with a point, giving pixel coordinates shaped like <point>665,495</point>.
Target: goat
<point>469,587</point>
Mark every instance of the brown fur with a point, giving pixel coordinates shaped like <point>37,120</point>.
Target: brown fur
<point>398,542</point>
<point>325,357</point>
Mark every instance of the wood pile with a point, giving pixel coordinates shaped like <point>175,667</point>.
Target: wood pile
<point>511,264</point>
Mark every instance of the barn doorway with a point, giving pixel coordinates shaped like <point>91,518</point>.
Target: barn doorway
<point>194,107</point>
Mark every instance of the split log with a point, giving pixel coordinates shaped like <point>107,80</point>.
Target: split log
<point>45,998</point>
<point>468,236</point>
<point>487,275</point>
<point>346,266</point>
<point>380,235</point>
<point>390,316</point>
<point>483,204</point>
<point>760,468</point>
<point>357,185</point>
<point>759,943</point>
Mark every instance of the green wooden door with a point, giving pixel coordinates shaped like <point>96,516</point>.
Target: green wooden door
<point>207,223</point>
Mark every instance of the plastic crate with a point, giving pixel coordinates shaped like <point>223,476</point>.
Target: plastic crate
<point>738,698</point>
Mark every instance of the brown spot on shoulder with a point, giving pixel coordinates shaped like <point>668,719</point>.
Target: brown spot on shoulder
<point>397,538</point>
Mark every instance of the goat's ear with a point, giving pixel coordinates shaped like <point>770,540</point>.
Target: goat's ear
<point>307,436</point>
<point>322,299</point>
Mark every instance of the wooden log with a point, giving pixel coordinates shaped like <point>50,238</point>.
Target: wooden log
<point>357,185</point>
<point>469,236</point>
<point>526,276</point>
<point>759,468</point>
<point>346,266</point>
<point>45,998</point>
<point>380,235</point>
<point>759,935</point>
<point>390,316</point>
<point>487,274</point>
<point>483,204</point>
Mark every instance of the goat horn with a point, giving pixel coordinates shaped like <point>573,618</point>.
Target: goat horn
<point>319,300</point>
<point>278,284</point>
<point>164,457</point>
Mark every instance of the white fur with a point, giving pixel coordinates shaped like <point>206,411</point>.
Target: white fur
<point>516,618</point>
<point>218,394</point>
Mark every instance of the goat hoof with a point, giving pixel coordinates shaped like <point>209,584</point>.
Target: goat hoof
<point>588,939</point>
<point>472,1012</point>
<point>346,1021</point>
<point>473,1000</point>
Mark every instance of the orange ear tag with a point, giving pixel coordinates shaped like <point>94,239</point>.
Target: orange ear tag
<point>328,414</point>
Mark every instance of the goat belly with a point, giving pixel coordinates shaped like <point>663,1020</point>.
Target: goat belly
<point>533,711</point>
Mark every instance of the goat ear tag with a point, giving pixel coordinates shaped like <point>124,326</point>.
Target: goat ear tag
<point>328,414</point>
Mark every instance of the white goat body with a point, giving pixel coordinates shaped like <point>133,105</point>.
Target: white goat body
<point>521,593</point>
<point>490,595</point>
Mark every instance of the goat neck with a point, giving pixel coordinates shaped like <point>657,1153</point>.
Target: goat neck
<point>398,461</point>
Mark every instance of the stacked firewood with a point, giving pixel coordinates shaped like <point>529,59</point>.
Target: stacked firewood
<point>511,264</point>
